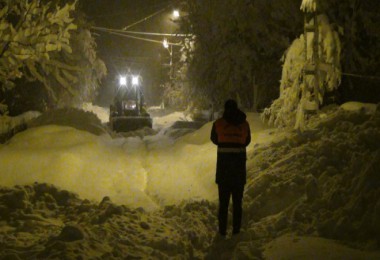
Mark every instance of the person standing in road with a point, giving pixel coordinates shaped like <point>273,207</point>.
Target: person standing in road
<point>231,133</point>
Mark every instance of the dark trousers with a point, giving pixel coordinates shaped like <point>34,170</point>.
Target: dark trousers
<point>225,192</point>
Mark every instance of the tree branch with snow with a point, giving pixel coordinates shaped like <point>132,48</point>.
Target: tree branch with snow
<point>30,34</point>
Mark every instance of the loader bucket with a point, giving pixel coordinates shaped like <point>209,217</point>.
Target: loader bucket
<point>130,123</point>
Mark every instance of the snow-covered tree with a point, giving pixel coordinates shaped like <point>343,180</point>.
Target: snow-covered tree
<point>32,36</point>
<point>92,69</point>
<point>58,75</point>
<point>300,91</point>
<point>237,44</point>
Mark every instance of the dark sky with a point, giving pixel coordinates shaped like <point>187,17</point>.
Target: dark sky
<point>121,53</point>
<point>118,13</point>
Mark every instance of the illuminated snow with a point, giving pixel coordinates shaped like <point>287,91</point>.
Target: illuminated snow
<point>160,170</point>
<point>126,169</point>
<point>75,160</point>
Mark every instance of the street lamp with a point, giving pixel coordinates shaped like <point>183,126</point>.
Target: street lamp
<point>176,14</point>
<point>169,47</point>
<point>165,43</point>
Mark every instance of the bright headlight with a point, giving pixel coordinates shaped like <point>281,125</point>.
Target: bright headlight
<point>123,81</point>
<point>135,80</point>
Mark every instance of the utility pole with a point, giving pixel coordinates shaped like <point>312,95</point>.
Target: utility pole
<point>255,91</point>
<point>310,92</point>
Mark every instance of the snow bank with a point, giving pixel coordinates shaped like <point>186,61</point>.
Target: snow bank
<point>290,247</point>
<point>324,182</point>
<point>359,107</point>
<point>165,121</point>
<point>77,161</point>
<point>322,185</point>
<point>96,166</point>
<point>42,222</point>
<point>102,113</point>
<point>77,118</point>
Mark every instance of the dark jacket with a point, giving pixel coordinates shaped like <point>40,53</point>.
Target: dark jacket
<point>232,135</point>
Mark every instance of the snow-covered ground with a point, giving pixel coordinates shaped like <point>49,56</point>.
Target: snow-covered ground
<point>126,169</point>
<point>154,197</point>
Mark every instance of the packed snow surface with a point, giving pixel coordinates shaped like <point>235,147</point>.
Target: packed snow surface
<point>126,169</point>
<point>154,197</point>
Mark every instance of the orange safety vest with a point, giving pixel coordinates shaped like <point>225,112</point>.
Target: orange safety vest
<point>231,134</point>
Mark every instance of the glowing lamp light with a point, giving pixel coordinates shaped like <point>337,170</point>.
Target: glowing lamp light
<point>135,80</point>
<point>123,81</point>
<point>176,14</point>
<point>165,43</point>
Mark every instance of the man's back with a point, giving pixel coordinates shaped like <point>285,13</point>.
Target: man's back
<point>232,135</point>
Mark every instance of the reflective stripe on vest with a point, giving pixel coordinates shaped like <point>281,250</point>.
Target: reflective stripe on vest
<point>231,150</point>
<point>231,134</point>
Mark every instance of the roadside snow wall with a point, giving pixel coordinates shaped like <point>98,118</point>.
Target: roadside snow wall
<point>323,182</point>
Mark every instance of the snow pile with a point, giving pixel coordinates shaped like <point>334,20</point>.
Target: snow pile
<point>79,161</point>
<point>90,118</point>
<point>303,190</point>
<point>164,120</point>
<point>324,182</point>
<point>40,221</point>
<point>102,113</point>
<point>126,169</point>
<point>292,247</point>
<point>359,107</point>
<point>77,118</point>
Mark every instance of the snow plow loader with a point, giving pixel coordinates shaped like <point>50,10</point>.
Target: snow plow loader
<point>128,113</point>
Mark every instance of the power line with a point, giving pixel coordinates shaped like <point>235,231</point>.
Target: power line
<point>361,76</point>
<point>150,16</point>
<point>137,38</point>
<point>141,33</point>
<point>146,18</point>
<point>124,32</point>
